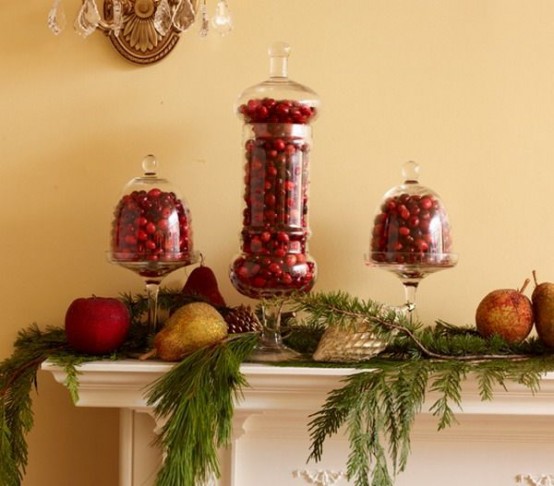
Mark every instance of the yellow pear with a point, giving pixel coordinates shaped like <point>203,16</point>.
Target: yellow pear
<point>189,328</point>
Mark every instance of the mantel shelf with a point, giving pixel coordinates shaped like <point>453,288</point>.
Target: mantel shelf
<point>123,384</point>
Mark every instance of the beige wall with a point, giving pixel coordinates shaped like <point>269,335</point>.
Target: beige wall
<point>465,87</point>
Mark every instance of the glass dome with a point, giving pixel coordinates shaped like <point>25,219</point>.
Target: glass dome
<point>411,227</point>
<point>151,228</point>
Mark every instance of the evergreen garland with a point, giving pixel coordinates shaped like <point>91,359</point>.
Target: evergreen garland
<point>18,379</point>
<point>376,406</point>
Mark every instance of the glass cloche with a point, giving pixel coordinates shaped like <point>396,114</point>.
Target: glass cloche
<point>411,235</point>
<point>151,232</point>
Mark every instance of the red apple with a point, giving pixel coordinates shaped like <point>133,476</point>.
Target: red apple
<point>97,325</point>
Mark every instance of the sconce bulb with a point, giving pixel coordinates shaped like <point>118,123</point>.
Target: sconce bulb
<point>222,21</point>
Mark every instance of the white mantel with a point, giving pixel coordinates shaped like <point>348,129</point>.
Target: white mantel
<point>507,441</point>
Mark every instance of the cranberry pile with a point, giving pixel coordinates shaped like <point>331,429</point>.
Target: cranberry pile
<point>257,276</point>
<point>410,229</point>
<point>151,226</point>
<point>268,110</point>
<point>274,257</point>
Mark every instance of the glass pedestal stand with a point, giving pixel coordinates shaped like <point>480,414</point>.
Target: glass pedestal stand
<point>411,275</point>
<point>152,291</point>
<point>271,347</point>
<point>153,272</point>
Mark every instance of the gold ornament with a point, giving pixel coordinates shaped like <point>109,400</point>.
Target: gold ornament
<point>358,340</point>
<point>349,344</point>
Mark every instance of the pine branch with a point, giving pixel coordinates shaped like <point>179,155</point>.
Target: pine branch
<point>16,420</point>
<point>448,384</point>
<point>69,361</point>
<point>381,402</point>
<point>380,406</point>
<point>197,398</point>
<point>17,380</point>
<point>339,308</point>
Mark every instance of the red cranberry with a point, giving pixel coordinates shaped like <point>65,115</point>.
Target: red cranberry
<point>275,268</point>
<point>286,279</point>
<point>426,202</point>
<point>279,144</point>
<point>413,222</point>
<point>290,260</point>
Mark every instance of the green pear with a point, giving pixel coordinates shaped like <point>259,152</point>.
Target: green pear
<point>543,307</point>
<point>189,328</point>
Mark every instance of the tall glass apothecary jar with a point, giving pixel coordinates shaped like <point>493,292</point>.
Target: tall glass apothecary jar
<point>277,140</point>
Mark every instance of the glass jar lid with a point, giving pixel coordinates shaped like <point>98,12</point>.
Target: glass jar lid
<point>278,99</point>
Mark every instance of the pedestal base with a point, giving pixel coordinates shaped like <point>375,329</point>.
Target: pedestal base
<point>271,349</point>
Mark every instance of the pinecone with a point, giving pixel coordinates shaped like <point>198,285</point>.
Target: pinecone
<point>241,319</point>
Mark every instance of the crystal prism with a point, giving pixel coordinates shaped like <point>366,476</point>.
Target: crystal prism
<point>117,17</point>
<point>56,18</point>
<point>87,19</point>
<point>184,15</point>
<point>205,21</point>
<point>221,21</point>
<point>162,17</point>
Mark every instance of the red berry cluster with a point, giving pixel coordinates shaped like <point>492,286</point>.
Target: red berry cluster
<point>275,227</point>
<point>265,276</point>
<point>410,229</point>
<point>268,110</point>
<point>276,182</point>
<point>151,226</point>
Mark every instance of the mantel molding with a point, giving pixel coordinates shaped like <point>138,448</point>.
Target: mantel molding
<point>123,384</point>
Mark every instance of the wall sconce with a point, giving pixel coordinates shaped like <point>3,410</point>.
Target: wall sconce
<point>142,31</point>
